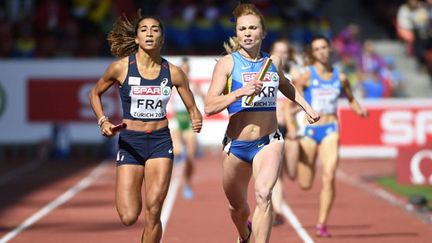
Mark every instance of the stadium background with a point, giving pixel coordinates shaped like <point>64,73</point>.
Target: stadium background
<point>52,52</point>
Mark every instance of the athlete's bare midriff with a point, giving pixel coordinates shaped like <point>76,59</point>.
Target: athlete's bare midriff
<point>145,126</point>
<point>251,125</point>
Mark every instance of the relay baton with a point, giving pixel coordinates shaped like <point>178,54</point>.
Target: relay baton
<point>118,127</point>
<point>260,76</point>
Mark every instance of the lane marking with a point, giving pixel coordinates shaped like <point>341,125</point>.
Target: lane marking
<point>295,223</point>
<point>171,196</point>
<point>81,185</point>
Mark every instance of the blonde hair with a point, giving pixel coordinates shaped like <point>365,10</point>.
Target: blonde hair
<point>241,10</point>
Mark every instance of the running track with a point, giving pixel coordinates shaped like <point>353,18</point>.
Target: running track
<point>73,201</point>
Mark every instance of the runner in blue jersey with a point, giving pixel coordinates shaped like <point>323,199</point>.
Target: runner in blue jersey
<point>321,85</point>
<point>252,145</point>
<point>145,81</point>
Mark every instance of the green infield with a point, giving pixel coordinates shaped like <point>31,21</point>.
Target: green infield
<point>390,183</point>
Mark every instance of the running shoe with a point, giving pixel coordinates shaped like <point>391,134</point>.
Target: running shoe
<point>247,240</point>
<point>321,231</point>
<point>187,193</point>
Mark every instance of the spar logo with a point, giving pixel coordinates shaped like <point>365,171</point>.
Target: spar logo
<point>146,90</point>
<point>414,165</point>
<point>406,127</point>
<point>419,176</point>
<point>268,77</point>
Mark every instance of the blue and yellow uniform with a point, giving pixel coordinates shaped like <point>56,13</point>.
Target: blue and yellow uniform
<point>322,95</point>
<point>244,71</point>
<point>145,100</point>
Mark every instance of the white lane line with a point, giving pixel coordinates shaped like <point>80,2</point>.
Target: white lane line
<point>295,223</point>
<point>81,185</point>
<point>171,196</point>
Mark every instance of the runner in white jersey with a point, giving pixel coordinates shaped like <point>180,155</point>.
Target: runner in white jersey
<point>185,141</point>
<point>285,113</point>
<point>321,85</point>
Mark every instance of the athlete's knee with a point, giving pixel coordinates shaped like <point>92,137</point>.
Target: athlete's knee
<point>240,210</point>
<point>328,178</point>
<point>128,218</point>
<point>305,183</point>
<point>263,197</point>
<point>154,209</point>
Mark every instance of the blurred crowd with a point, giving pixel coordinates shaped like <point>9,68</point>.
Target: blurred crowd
<point>78,28</point>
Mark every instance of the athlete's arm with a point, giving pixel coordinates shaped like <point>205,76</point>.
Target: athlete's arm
<point>357,108</point>
<point>214,101</point>
<point>112,74</point>
<point>181,83</point>
<point>290,91</point>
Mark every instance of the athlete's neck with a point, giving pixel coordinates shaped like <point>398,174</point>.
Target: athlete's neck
<point>148,59</point>
<point>251,55</point>
<point>323,68</point>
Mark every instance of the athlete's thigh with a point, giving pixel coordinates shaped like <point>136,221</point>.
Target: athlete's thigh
<point>236,177</point>
<point>177,141</point>
<point>308,151</point>
<point>266,164</point>
<point>291,156</point>
<point>157,179</point>
<point>329,152</point>
<point>189,138</point>
<point>129,179</point>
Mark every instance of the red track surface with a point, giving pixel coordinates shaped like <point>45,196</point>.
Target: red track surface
<point>90,216</point>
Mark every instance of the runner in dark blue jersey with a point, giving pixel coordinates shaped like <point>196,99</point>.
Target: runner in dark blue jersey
<point>145,82</point>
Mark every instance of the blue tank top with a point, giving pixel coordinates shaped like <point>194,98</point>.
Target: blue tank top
<point>144,99</point>
<point>321,94</point>
<point>245,71</point>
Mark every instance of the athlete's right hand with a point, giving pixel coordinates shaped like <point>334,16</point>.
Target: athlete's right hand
<point>106,129</point>
<point>252,87</point>
<point>312,116</point>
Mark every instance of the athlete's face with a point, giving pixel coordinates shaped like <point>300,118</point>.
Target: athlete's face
<point>149,34</point>
<point>320,50</point>
<point>249,31</point>
<point>281,49</point>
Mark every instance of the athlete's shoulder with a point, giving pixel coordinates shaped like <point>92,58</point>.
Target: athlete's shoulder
<point>226,62</point>
<point>176,73</point>
<point>120,63</point>
<point>342,77</point>
<point>118,68</point>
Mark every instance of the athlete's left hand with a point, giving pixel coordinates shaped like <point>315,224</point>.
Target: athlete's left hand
<point>363,112</point>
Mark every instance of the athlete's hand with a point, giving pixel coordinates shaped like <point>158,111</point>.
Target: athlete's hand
<point>196,125</point>
<point>106,129</point>
<point>363,112</point>
<point>252,87</point>
<point>312,116</point>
